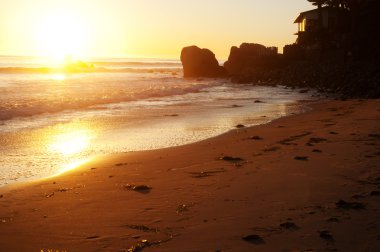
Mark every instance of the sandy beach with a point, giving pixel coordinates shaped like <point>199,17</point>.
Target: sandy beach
<point>307,182</point>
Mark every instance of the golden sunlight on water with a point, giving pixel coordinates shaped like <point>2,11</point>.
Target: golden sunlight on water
<point>58,77</point>
<point>71,143</point>
<point>72,166</point>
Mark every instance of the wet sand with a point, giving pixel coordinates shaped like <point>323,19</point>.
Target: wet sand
<point>308,182</point>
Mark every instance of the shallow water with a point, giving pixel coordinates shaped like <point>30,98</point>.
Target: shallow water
<point>50,123</point>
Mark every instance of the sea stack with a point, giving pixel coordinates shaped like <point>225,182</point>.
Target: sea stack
<point>199,62</point>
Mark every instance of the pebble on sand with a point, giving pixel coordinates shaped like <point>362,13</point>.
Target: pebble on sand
<point>138,188</point>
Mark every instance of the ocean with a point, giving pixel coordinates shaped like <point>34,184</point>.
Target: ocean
<point>51,122</point>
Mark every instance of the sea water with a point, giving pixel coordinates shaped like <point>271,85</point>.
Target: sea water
<point>52,122</point>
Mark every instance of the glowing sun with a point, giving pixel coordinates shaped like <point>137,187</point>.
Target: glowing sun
<point>61,34</point>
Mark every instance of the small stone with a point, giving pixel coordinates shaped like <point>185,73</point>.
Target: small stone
<point>142,228</point>
<point>64,189</point>
<point>236,106</point>
<point>49,195</point>
<point>138,188</point>
<point>182,208</point>
<point>301,158</point>
<point>240,126</point>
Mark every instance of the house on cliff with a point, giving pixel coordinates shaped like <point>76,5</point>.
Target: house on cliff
<point>332,24</point>
<point>323,31</point>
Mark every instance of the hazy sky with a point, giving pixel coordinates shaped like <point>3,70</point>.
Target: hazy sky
<point>143,28</point>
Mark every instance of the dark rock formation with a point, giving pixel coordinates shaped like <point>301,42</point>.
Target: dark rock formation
<point>249,57</point>
<point>198,62</point>
<point>260,65</point>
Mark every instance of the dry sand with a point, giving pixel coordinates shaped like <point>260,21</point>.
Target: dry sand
<point>308,182</point>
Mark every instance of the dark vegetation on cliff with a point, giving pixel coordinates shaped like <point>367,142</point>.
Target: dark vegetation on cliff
<point>343,58</point>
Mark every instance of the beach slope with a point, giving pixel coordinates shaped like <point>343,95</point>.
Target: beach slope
<point>308,182</point>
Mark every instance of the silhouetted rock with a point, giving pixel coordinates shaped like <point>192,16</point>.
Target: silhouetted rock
<point>248,57</point>
<point>199,62</point>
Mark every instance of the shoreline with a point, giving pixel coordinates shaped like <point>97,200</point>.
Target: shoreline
<point>288,184</point>
<point>302,104</point>
<point>118,131</point>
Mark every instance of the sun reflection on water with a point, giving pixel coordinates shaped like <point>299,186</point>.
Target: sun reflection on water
<point>58,77</point>
<point>71,166</point>
<point>70,144</point>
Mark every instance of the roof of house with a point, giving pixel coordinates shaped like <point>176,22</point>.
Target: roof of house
<point>302,14</point>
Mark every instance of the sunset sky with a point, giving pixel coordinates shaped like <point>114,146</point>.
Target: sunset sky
<point>143,28</point>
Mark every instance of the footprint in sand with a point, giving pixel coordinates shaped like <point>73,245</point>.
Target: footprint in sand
<point>333,219</point>
<point>326,235</point>
<point>231,159</point>
<point>92,237</point>
<point>269,149</point>
<point>254,239</point>
<point>289,226</point>
<point>341,204</point>
<point>375,193</point>
<point>301,158</point>
<point>256,138</point>
<point>315,140</point>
